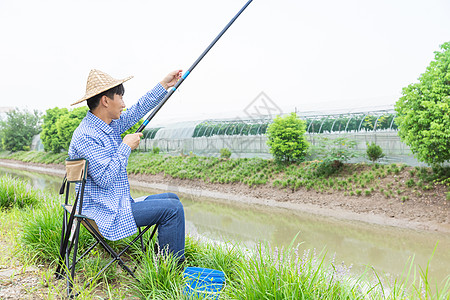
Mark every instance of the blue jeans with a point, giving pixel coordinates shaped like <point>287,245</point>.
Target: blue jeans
<point>167,211</point>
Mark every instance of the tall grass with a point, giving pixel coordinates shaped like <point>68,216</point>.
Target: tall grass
<point>272,273</point>
<point>16,193</point>
<point>42,230</point>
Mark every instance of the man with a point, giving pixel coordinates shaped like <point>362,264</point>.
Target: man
<point>98,139</point>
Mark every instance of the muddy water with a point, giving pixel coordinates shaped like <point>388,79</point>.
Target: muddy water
<point>387,249</point>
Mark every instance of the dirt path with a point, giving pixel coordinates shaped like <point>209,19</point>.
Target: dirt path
<point>429,211</point>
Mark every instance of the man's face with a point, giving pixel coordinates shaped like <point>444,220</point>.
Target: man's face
<point>116,106</point>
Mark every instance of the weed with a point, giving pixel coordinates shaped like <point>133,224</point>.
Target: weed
<point>410,183</point>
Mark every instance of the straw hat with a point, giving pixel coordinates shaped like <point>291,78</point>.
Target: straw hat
<point>98,82</point>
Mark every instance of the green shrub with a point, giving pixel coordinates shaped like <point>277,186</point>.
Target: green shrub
<point>333,153</point>
<point>16,193</point>
<point>286,138</point>
<point>326,168</point>
<point>374,152</point>
<point>155,150</point>
<point>225,153</point>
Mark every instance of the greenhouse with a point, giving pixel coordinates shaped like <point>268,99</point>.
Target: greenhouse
<point>247,137</point>
<point>315,123</point>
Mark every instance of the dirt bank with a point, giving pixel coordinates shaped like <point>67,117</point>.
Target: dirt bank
<point>427,211</point>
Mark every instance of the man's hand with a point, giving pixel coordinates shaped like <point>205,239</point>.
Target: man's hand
<point>171,78</point>
<point>132,140</point>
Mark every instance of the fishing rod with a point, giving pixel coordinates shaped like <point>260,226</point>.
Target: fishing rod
<point>179,82</point>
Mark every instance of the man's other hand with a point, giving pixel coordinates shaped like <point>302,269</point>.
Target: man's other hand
<point>132,140</point>
<point>171,79</point>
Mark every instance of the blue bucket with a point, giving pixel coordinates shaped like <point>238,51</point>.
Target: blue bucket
<point>203,283</point>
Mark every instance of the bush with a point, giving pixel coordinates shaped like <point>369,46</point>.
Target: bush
<point>155,150</point>
<point>225,153</point>
<point>286,138</point>
<point>422,112</point>
<point>374,152</point>
<point>325,168</point>
<point>333,153</point>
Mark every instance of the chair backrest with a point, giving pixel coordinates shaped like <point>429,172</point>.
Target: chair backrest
<point>76,172</point>
<point>76,169</point>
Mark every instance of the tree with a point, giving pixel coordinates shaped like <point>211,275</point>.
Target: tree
<point>423,111</point>
<point>49,135</point>
<point>19,128</point>
<point>286,138</point>
<point>67,123</point>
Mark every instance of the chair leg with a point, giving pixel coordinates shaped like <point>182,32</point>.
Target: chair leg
<point>59,273</point>
<point>70,272</point>
<point>142,240</point>
<point>71,277</point>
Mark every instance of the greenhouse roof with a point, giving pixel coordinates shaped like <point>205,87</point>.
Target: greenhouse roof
<point>179,130</point>
<point>317,122</point>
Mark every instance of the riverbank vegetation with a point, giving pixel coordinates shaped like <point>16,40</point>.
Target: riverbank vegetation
<point>31,233</point>
<point>393,181</point>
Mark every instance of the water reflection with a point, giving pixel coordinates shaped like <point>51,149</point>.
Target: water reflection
<point>386,248</point>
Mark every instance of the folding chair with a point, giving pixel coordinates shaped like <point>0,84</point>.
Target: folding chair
<point>76,172</point>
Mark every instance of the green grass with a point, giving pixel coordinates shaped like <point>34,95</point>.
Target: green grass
<point>36,157</point>
<point>255,172</point>
<point>263,272</point>
<point>16,193</point>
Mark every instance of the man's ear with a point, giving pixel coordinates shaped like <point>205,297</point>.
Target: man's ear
<point>104,101</point>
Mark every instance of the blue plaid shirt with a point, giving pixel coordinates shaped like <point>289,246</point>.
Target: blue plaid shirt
<point>107,196</point>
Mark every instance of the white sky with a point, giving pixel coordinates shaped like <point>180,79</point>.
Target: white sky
<point>309,55</point>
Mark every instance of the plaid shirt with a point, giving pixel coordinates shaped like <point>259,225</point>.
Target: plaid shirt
<point>107,196</point>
